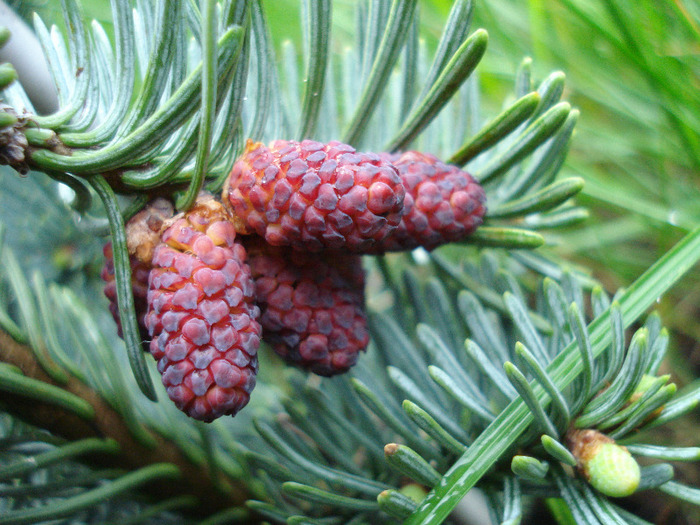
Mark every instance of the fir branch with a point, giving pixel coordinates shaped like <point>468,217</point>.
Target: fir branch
<point>108,423</point>
<point>317,22</point>
<point>512,421</point>
<point>401,15</point>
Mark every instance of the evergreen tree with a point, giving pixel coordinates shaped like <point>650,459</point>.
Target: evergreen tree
<point>493,363</point>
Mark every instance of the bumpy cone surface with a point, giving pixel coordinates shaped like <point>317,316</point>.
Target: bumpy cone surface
<point>143,234</point>
<point>442,204</point>
<point>312,306</point>
<point>202,316</point>
<point>313,196</point>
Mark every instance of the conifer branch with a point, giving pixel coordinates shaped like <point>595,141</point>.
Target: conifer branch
<point>456,315</point>
<point>108,423</point>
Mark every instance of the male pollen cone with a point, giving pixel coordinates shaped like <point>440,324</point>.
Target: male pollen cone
<point>314,196</point>
<point>202,315</point>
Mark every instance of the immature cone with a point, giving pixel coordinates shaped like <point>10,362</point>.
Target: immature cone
<point>312,306</point>
<point>607,466</point>
<point>201,314</point>
<point>314,196</point>
<point>143,234</point>
<point>442,204</point>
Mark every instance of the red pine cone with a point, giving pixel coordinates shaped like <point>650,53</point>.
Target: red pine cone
<point>202,316</point>
<point>312,306</point>
<point>142,233</point>
<point>443,203</point>
<point>314,196</point>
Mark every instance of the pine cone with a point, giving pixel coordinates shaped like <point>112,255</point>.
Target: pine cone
<point>314,196</point>
<point>201,314</point>
<point>143,233</point>
<point>312,306</point>
<point>442,204</point>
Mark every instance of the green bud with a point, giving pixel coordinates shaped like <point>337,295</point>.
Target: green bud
<point>613,471</point>
<point>607,466</point>
<point>414,491</point>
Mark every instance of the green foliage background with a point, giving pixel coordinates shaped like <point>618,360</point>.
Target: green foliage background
<point>633,69</point>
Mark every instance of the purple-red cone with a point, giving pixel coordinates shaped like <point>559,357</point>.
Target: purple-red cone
<point>442,204</point>
<point>201,314</point>
<point>312,306</point>
<point>305,212</point>
<point>314,196</point>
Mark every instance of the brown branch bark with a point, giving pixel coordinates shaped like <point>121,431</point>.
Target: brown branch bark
<point>196,480</point>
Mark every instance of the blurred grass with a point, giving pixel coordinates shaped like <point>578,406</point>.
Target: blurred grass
<point>51,11</point>
<point>633,68</point>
